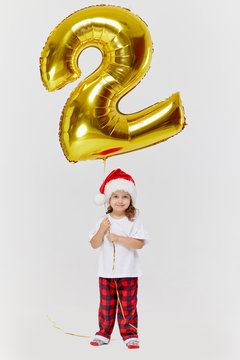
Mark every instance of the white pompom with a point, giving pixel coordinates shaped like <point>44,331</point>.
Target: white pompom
<point>99,199</point>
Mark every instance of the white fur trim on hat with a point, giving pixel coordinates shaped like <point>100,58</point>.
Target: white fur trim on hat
<point>100,199</point>
<point>120,184</point>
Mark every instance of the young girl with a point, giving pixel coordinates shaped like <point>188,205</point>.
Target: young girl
<point>119,235</point>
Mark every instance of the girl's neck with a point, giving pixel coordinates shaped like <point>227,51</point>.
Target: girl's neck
<point>115,215</point>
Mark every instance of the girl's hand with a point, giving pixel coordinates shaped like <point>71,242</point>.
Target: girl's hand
<point>105,225</point>
<point>113,238</point>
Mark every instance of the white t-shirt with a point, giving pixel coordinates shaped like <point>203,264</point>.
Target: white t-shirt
<point>127,263</point>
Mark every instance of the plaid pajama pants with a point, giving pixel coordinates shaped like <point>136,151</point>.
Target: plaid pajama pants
<point>127,290</point>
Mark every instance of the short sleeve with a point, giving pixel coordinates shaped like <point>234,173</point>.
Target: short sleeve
<point>138,232</point>
<point>94,230</point>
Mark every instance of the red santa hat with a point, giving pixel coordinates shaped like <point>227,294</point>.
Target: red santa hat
<point>116,180</point>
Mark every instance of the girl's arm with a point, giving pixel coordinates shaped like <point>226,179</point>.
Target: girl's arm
<point>129,242</point>
<point>97,239</point>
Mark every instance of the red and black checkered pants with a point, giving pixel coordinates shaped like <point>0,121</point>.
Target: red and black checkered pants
<point>127,290</point>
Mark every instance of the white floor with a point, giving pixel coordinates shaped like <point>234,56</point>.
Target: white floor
<point>28,334</point>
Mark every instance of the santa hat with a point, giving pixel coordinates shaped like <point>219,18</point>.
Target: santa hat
<point>116,180</point>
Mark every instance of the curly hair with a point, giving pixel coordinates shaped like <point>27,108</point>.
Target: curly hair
<point>130,212</point>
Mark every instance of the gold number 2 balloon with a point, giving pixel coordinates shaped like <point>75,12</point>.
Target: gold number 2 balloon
<point>91,126</point>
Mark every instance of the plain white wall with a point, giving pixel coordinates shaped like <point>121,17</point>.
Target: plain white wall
<point>188,192</point>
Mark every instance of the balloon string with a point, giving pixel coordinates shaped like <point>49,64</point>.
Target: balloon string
<point>104,166</point>
<point>122,307</point>
<point>65,332</point>
<point>114,249</point>
<point>68,333</point>
<point>114,256</point>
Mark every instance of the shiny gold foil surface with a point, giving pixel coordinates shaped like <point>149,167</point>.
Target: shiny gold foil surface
<point>91,126</point>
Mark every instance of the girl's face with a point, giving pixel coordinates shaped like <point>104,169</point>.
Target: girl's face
<point>120,201</point>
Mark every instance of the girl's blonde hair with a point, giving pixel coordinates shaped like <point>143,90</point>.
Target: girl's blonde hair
<point>130,212</point>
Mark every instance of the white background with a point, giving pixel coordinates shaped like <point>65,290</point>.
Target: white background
<point>188,192</point>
